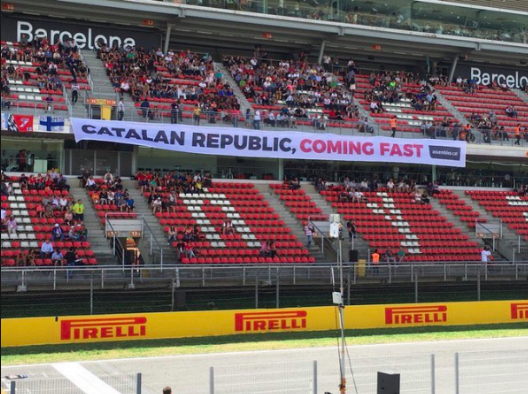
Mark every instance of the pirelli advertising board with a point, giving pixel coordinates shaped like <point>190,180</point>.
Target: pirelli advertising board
<point>83,329</point>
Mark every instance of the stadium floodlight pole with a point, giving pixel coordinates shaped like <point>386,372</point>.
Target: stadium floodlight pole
<point>342,385</point>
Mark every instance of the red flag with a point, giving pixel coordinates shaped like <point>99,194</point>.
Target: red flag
<point>24,123</point>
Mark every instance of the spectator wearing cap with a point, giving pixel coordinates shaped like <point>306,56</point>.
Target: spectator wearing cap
<point>57,233</point>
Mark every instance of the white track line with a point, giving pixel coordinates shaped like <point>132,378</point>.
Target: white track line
<point>84,379</point>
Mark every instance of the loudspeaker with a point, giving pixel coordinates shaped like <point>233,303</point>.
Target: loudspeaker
<point>388,383</point>
<point>353,256</point>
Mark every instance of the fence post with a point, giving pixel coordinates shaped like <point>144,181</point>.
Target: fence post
<point>173,289</point>
<point>416,289</point>
<point>91,297</point>
<point>257,291</point>
<point>12,387</point>
<point>457,373</point>
<point>478,285</point>
<point>315,373</point>
<point>211,381</point>
<point>277,303</point>
<point>433,374</point>
<point>139,384</point>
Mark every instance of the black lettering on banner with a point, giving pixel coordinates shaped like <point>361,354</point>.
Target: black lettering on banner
<point>285,145</point>
<point>132,134</point>
<point>198,140</point>
<point>255,143</point>
<point>177,138</point>
<point>241,142</point>
<point>144,133</point>
<point>119,132</point>
<point>213,141</point>
<point>105,130</point>
<point>265,147</point>
<point>87,129</point>
<point>226,140</point>
<point>161,137</point>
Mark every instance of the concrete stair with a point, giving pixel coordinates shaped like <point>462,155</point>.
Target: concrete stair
<point>519,93</point>
<point>290,220</point>
<point>169,253</point>
<point>244,103</point>
<point>462,225</point>
<point>452,109</point>
<point>359,243</point>
<point>510,237</point>
<point>102,88</point>
<point>96,235</point>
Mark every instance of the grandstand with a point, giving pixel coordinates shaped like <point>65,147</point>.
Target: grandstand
<point>413,75</point>
<point>189,155</point>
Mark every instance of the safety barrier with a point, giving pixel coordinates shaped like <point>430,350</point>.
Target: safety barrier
<point>85,329</point>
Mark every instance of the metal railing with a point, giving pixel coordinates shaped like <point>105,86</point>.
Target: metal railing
<point>124,384</point>
<point>248,275</point>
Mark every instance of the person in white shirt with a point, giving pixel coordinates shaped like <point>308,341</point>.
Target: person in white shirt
<point>390,185</point>
<point>12,226</point>
<point>256,120</point>
<point>121,110</point>
<point>46,250</point>
<point>485,255</point>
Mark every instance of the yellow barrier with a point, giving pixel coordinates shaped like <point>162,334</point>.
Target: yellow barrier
<point>141,326</point>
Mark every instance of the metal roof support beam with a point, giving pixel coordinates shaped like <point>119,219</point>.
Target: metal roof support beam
<point>453,68</point>
<point>321,52</point>
<point>167,38</point>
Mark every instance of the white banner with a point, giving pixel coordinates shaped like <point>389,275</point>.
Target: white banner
<point>225,141</point>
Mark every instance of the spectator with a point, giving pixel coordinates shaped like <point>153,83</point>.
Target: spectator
<point>71,260</point>
<point>389,256</point>
<point>265,249</point>
<point>401,255</point>
<point>12,225</point>
<point>228,228</point>
<point>57,258</point>
<point>351,230</point>
<point>57,233</point>
<point>309,231</point>
<point>145,105</point>
<point>375,262</point>
<point>46,250</point>
<point>120,110</point>
<point>78,210</point>
<point>167,390</point>
<point>172,235</point>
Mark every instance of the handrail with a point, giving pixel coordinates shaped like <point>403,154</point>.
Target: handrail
<point>116,242</point>
<point>415,266</point>
<point>153,241</point>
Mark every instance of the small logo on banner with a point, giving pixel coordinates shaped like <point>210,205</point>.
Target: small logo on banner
<point>270,321</point>
<point>415,315</point>
<point>20,123</point>
<point>51,123</point>
<point>519,311</point>
<point>444,152</point>
<point>81,329</point>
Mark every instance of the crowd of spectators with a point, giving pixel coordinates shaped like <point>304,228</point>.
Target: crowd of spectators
<point>180,77</point>
<point>298,87</point>
<point>47,59</point>
<point>163,192</point>
<point>56,204</point>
